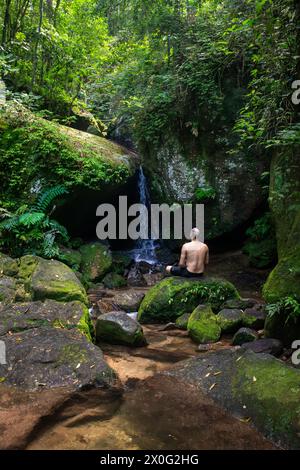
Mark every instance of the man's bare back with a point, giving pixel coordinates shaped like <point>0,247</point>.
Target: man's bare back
<point>194,256</point>
<point>193,259</point>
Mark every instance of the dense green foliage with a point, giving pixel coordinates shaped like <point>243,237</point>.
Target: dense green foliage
<point>261,243</point>
<point>32,230</point>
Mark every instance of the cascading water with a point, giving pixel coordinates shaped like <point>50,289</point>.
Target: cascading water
<point>145,249</point>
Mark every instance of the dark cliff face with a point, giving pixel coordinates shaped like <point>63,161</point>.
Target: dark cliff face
<point>201,170</point>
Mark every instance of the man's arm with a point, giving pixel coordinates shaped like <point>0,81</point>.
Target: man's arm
<point>207,256</point>
<point>182,261</point>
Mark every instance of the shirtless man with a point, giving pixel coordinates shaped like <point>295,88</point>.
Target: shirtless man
<point>194,257</point>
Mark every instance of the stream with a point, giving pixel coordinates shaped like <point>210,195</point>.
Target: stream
<point>156,411</point>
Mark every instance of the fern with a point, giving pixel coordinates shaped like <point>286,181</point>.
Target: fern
<point>47,197</point>
<point>31,218</point>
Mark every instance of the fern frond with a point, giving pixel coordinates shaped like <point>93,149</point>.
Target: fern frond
<point>47,197</point>
<point>9,224</point>
<point>31,218</point>
<point>5,214</point>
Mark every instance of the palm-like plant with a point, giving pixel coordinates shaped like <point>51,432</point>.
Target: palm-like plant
<point>32,230</point>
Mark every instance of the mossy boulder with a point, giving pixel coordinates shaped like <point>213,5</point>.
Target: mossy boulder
<point>8,289</point>
<point>255,317</point>
<point>284,280</point>
<point>182,321</point>
<point>172,297</point>
<point>244,335</point>
<point>55,357</point>
<point>27,315</point>
<point>114,281</point>
<point>70,257</point>
<point>230,320</point>
<point>36,153</point>
<point>96,261</point>
<point>284,200</point>
<point>255,386</point>
<point>119,328</point>
<point>203,326</point>
<point>8,266</point>
<point>50,279</point>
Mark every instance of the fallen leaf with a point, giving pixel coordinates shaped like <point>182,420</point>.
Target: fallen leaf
<point>78,365</point>
<point>254,379</point>
<point>207,375</point>
<point>212,386</point>
<point>218,373</point>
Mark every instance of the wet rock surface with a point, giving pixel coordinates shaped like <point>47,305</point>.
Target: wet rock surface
<point>119,328</point>
<point>244,383</point>
<point>51,357</point>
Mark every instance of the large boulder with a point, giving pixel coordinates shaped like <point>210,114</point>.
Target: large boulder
<point>173,297</point>
<point>256,387</point>
<point>119,328</point>
<point>95,170</point>
<point>192,169</point>
<point>284,199</point>
<point>203,326</point>
<point>24,316</point>
<point>54,357</point>
<point>52,279</point>
<point>96,261</point>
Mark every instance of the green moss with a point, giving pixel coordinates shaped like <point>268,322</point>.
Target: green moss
<point>114,281</point>
<point>86,326</point>
<point>230,320</point>
<point>33,149</point>
<point>70,257</point>
<point>273,397</point>
<point>72,354</point>
<point>54,280</point>
<point>173,297</point>
<point>8,266</point>
<point>203,326</point>
<point>284,280</point>
<point>96,261</point>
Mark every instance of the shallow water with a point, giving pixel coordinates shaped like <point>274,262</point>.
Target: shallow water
<point>156,411</point>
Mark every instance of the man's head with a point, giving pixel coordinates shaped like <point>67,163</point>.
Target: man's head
<point>195,234</point>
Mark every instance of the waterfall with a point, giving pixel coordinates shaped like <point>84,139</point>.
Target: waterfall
<point>145,249</point>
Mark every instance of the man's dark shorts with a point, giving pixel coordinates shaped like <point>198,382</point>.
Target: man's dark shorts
<point>183,272</point>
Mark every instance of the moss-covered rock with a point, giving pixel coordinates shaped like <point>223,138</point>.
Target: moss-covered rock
<point>203,326</point>
<point>244,335</point>
<point>35,153</point>
<point>172,297</point>
<point>114,281</point>
<point>284,199</point>
<point>119,328</point>
<point>255,386</point>
<point>54,280</point>
<point>230,320</point>
<point>55,357</point>
<point>96,261</point>
<point>70,257</point>
<point>24,316</point>
<point>182,321</point>
<point>8,266</point>
<point>8,288</point>
<point>254,317</point>
<point>284,280</point>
